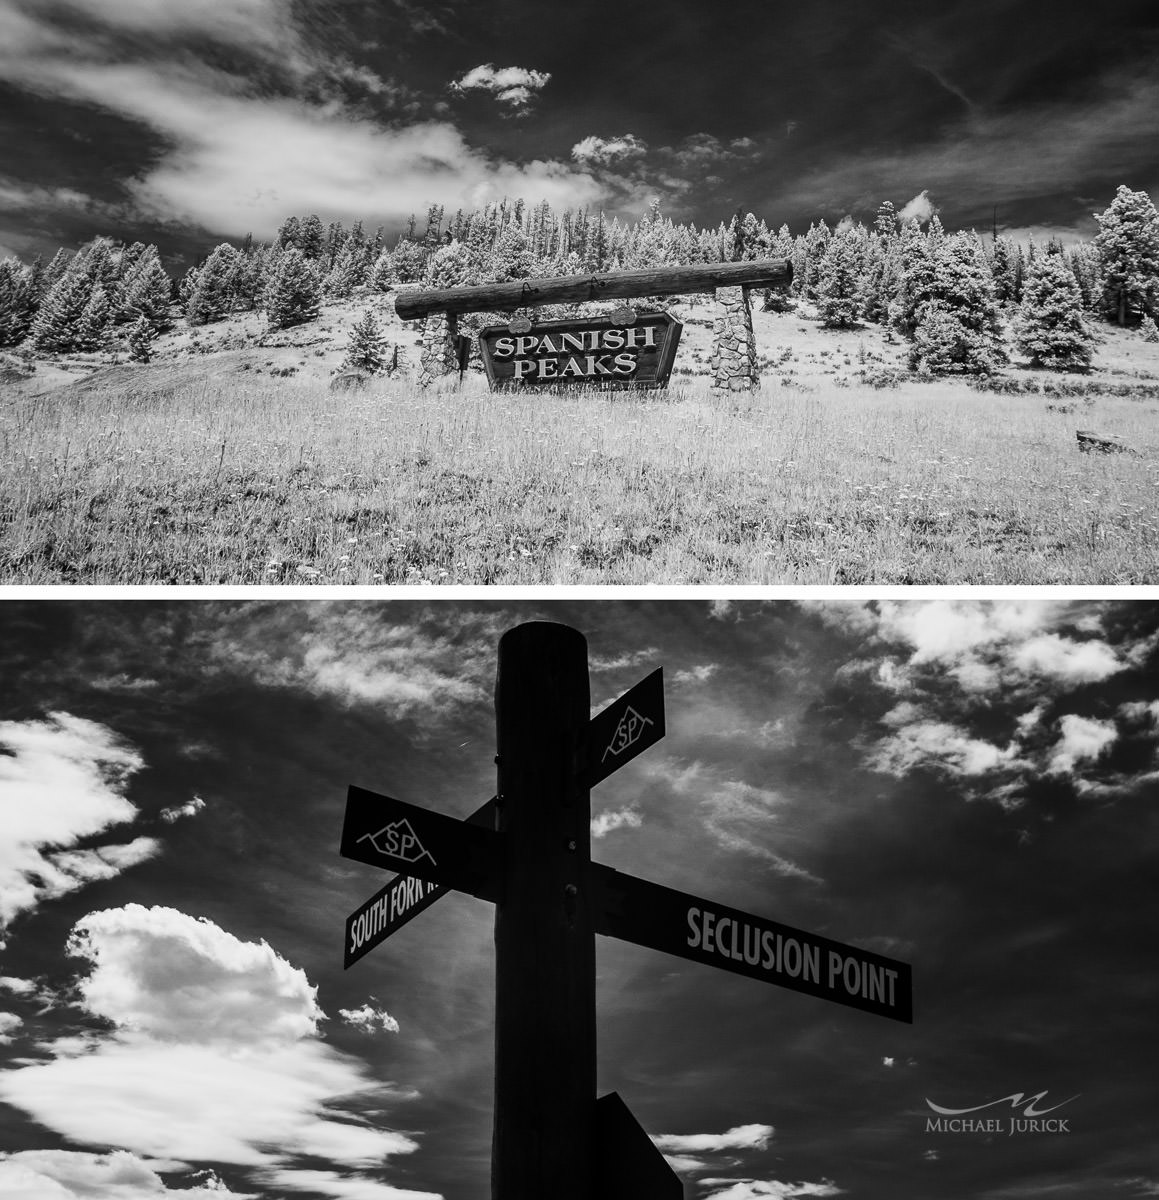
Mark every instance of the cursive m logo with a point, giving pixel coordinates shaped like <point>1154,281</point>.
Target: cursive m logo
<point>1016,1099</point>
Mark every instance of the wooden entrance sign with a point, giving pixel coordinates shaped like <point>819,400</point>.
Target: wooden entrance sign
<point>589,353</point>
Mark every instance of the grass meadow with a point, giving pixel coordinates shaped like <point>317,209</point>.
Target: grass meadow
<point>257,480</point>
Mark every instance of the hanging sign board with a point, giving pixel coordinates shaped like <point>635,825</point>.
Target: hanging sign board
<point>596,352</point>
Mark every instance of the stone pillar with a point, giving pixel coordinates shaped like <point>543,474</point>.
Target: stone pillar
<point>734,349</point>
<point>438,357</point>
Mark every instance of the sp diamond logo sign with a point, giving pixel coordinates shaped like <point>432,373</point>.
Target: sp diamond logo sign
<point>398,840</point>
<point>395,836</point>
<point>627,727</point>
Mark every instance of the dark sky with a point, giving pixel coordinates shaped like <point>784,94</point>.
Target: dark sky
<point>185,123</point>
<point>967,786</point>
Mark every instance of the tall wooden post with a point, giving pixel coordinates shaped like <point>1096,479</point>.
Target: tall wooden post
<point>545,1045</point>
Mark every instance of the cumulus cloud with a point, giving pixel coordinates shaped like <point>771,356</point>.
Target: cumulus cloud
<point>757,1189</point>
<point>698,674</point>
<point>64,779</point>
<point>368,1019</point>
<point>920,208</point>
<point>1055,657</point>
<point>509,85</point>
<point>940,746</point>
<point>78,1175</point>
<point>740,1137</point>
<point>8,1023</point>
<point>214,1056</point>
<point>613,819</point>
<point>178,978</point>
<point>1082,739</point>
<point>595,151</point>
<point>189,809</point>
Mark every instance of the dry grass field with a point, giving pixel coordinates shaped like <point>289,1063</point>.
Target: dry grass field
<point>201,469</point>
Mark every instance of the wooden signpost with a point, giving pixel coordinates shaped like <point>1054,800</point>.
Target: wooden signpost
<point>528,852</point>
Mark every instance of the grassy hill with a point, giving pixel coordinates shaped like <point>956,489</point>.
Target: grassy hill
<point>228,459</point>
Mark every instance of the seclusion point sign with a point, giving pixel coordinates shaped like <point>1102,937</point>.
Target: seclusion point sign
<point>595,352</point>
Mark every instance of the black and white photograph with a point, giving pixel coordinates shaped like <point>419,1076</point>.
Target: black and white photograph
<point>305,900</point>
<point>342,292</point>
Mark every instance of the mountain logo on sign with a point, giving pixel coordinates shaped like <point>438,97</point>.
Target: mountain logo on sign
<point>398,840</point>
<point>628,730</point>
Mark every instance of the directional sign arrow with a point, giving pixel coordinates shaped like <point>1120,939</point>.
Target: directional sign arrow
<point>397,836</point>
<point>661,918</point>
<point>403,898</point>
<point>627,727</point>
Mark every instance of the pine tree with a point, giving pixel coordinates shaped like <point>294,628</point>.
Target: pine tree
<point>294,294</point>
<point>408,260</point>
<point>885,223</point>
<point>382,273</point>
<point>449,266</point>
<point>212,295</point>
<point>511,257</point>
<point>312,237</point>
<point>17,303</point>
<point>290,234</point>
<point>146,291</point>
<point>1050,328</point>
<point>55,324</point>
<point>1003,269</point>
<point>917,255</point>
<point>1128,245</point>
<point>95,323</point>
<point>839,284</point>
<point>366,350</point>
<point>959,328</point>
<point>140,341</point>
<point>57,266</point>
<point>345,275</point>
<point>1149,329</point>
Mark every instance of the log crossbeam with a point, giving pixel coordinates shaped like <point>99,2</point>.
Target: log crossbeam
<point>610,285</point>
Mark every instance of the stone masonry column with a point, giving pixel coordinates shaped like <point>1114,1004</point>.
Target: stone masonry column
<point>734,349</point>
<point>437,357</point>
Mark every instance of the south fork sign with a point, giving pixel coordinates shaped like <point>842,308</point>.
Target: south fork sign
<point>528,852</point>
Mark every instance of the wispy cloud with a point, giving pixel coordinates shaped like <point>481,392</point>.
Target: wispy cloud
<point>612,819</point>
<point>239,161</point>
<point>64,779</point>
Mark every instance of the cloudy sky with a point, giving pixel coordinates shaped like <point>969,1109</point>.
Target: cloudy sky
<point>185,123</point>
<point>969,787</point>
